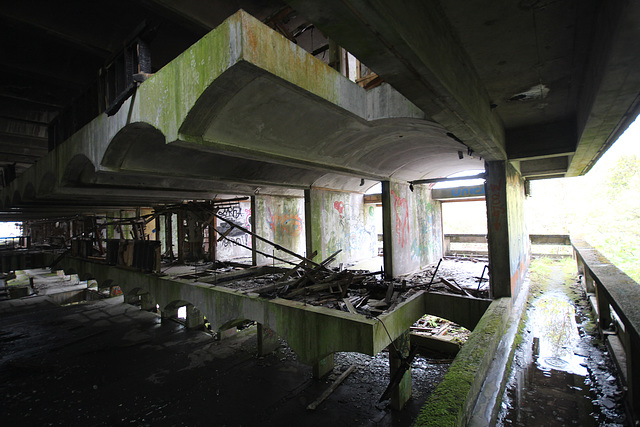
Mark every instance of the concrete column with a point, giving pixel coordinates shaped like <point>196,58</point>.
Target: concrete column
<point>169,313</point>
<point>254,214</point>
<point>633,373</point>
<point>323,366</point>
<point>604,313</point>
<point>498,229</point>
<point>402,392</point>
<point>588,282</point>
<point>267,340</point>
<point>147,303</point>
<point>227,333</point>
<point>387,230</point>
<point>195,319</point>
<point>308,226</point>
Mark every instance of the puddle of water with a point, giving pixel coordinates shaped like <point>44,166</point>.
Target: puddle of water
<point>557,370</point>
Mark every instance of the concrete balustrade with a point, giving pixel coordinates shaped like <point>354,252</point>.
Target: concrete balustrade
<point>616,299</point>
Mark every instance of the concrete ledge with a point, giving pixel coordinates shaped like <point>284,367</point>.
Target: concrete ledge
<point>452,402</point>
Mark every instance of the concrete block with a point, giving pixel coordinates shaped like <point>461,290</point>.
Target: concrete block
<point>267,340</point>
<point>323,366</point>
<point>402,392</point>
<point>195,319</point>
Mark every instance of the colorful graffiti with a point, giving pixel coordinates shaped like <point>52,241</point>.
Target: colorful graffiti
<point>285,225</point>
<point>351,234</point>
<point>497,205</point>
<point>428,243</point>
<point>402,219</point>
<point>238,215</point>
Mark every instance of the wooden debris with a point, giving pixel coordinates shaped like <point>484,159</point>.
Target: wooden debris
<point>312,406</point>
<point>349,306</point>
<point>455,286</point>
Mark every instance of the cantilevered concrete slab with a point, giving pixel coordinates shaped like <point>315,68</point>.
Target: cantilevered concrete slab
<point>246,106</point>
<point>312,332</point>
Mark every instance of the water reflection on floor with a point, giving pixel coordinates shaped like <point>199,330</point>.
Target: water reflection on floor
<point>560,378</point>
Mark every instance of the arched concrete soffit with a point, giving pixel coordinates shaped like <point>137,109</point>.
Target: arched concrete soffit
<point>78,167</point>
<point>139,136</point>
<point>29,192</point>
<point>47,184</point>
<point>271,116</point>
<point>17,198</point>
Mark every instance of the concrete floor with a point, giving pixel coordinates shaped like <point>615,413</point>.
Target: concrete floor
<point>109,363</point>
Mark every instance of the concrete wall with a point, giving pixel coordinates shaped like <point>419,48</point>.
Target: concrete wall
<point>413,228</point>
<point>241,215</point>
<point>341,220</point>
<point>280,219</point>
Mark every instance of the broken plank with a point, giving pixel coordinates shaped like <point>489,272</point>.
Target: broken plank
<point>349,306</point>
<point>455,287</point>
<point>312,406</point>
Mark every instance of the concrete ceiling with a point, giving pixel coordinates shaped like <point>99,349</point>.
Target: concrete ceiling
<point>548,85</point>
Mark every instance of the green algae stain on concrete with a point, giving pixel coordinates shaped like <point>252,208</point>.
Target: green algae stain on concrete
<point>455,395</point>
<point>277,55</point>
<point>167,97</point>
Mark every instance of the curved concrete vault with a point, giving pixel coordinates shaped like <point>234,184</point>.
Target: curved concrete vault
<point>242,111</point>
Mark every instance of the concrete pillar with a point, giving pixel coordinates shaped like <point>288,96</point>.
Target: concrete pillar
<point>498,229</point>
<point>147,303</point>
<point>267,340</point>
<point>402,392</point>
<point>195,319</point>
<point>169,313</point>
<point>227,333</point>
<point>254,240</point>
<point>588,282</point>
<point>604,313</point>
<point>323,366</point>
<point>387,230</point>
<point>633,373</point>
<point>509,244</point>
<point>308,226</point>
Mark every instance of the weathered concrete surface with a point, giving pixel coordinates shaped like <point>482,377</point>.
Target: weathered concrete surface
<point>340,221</point>
<point>207,123</point>
<point>412,224</point>
<point>617,290</point>
<point>453,401</point>
<point>312,332</point>
<point>281,220</point>
<point>509,245</point>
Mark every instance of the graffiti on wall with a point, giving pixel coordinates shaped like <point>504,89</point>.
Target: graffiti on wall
<point>285,224</point>
<point>238,215</point>
<point>496,205</point>
<point>428,243</point>
<point>402,218</point>
<point>352,235</point>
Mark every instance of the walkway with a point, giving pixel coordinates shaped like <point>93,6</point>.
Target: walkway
<point>562,374</point>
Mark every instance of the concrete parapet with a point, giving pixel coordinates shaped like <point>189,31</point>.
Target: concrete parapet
<point>618,303</point>
<point>453,401</point>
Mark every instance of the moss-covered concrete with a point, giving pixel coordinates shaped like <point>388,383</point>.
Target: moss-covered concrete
<point>312,332</point>
<point>453,400</point>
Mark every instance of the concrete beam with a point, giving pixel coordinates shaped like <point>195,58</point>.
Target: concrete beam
<point>412,45</point>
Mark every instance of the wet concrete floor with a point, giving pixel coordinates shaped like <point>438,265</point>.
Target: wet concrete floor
<point>109,363</point>
<point>562,375</point>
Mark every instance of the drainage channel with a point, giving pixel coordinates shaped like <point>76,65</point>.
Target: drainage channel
<point>562,373</point>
